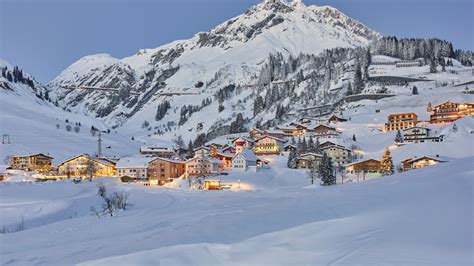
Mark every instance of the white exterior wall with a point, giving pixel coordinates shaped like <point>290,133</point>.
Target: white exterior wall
<point>137,172</point>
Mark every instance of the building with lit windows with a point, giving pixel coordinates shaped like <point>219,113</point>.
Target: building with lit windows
<point>449,112</point>
<point>401,121</point>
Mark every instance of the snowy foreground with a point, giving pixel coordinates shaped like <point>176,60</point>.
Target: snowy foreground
<point>421,217</point>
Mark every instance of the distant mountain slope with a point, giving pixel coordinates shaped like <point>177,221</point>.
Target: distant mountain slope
<point>30,123</point>
<point>231,53</point>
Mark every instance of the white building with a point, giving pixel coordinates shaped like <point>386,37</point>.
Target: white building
<point>419,135</point>
<point>203,165</point>
<point>135,167</point>
<point>339,155</point>
<point>244,158</point>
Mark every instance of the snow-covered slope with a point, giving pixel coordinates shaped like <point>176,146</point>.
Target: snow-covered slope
<point>32,124</point>
<point>231,53</point>
<point>421,217</point>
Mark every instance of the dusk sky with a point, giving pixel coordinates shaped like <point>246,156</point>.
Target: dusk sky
<point>45,36</point>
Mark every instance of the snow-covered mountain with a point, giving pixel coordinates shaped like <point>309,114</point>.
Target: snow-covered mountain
<point>231,53</point>
<point>30,122</point>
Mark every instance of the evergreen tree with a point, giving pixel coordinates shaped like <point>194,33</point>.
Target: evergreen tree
<point>387,167</point>
<point>292,158</point>
<point>399,137</point>
<point>414,91</point>
<point>358,83</point>
<point>258,105</point>
<point>455,128</point>
<point>317,147</point>
<point>311,144</point>
<point>9,77</point>
<point>326,171</point>
<point>429,108</point>
<point>433,65</point>
<point>354,137</point>
<point>349,90</point>
<point>304,145</point>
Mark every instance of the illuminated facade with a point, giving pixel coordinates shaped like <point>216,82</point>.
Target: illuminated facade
<point>163,170</point>
<point>421,162</point>
<point>80,166</point>
<point>401,121</point>
<point>268,145</point>
<point>449,112</point>
<point>36,162</point>
<point>365,166</point>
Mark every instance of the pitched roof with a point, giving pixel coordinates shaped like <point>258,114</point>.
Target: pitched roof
<point>99,160</point>
<point>248,155</point>
<point>134,162</point>
<point>435,158</point>
<point>272,137</point>
<point>362,161</point>
<point>30,155</point>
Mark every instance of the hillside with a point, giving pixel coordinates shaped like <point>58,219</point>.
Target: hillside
<point>232,53</point>
<point>33,124</point>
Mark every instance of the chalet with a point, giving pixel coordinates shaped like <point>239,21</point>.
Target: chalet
<point>289,147</point>
<point>449,112</point>
<point>157,152</point>
<point>401,121</point>
<point>336,119</point>
<point>202,151</point>
<point>276,133</point>
<point>228,149</point>
<point>419,135</point>
<point>81,165</point>
<point>269,145</point>
<point>294,129</point>
<point>304,161</point>
<point>421,162</point>
<point>339,155</point>
<point>164,170</point>
<point>244,158</point>
<point>35,162</point>
<point>256,133</point>
<point>203,165</point>
<point>225,158</point>
<point>135,167</point>
<point>365,166</point>
<point>247,142</point>
<point>323,131</point>
<point>327,144</point>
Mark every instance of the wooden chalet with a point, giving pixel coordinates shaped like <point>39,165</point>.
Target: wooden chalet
<point>269,145</point>
<point>323,131</point>
<point>336,119</point>
<point>364,166</point>
<point>80,166</point>
<point>304,161</point>
<point>448,112</point>
<point>35,162</point>
<point>421,162</point>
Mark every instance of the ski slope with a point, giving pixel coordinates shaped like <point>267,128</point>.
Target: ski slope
<point>421,217</point>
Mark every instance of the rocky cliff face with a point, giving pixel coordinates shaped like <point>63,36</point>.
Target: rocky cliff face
<point>193,72</point>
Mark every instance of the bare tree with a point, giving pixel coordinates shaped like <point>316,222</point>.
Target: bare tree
<point>91,169</point>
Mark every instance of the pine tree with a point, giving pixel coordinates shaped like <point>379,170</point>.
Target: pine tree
<point>455,128</point>
<point>326,171</point>
<point>414,91</point>
<point>304,145</point>
<point>429,108</point>
<point>399,137</point>
<point>349,90</point>
<point>387,167</point>
<point>292,158</point>
<point>354,137</point>
<point>433,65</point>
<point>317,146</point>
<point>358,83</point>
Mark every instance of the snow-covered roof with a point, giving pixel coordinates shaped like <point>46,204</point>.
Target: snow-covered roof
<point>248,155</point>
<point>362,161</point>
<point>134,162</point>
<point>155,149</point>
<point>434,158</point>
<point>272,137</point>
